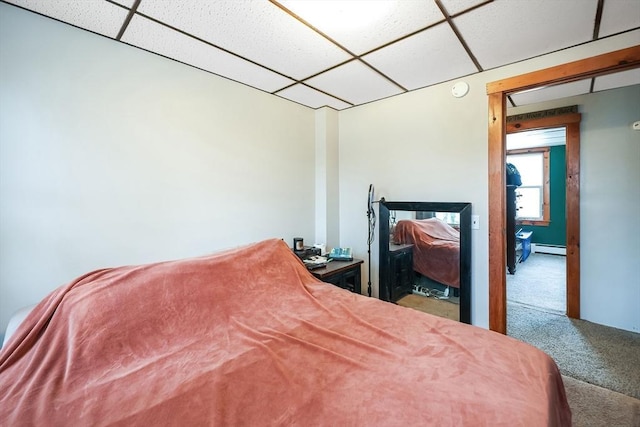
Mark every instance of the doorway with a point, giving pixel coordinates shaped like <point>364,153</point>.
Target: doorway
<point>537,277</point>
<point>497,91</point>
<point>571,123</point>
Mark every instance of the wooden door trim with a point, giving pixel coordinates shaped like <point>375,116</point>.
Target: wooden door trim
<point>497,214</point>
<point>572,185</point>
<point>497,91</point>
<point>612,62</point>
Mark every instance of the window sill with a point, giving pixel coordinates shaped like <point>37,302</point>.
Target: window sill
<point>540,223</point>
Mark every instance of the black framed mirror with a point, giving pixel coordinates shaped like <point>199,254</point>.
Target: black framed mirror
<point>421,243</point>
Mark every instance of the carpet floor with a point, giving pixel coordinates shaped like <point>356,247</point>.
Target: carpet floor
<point>597,354</point>
<point>593,406</point>
<point>548,290</point>
<point>442,308</point>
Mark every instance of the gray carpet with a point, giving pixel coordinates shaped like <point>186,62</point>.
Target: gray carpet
<point>597,354</point>
<point>593,406</point>
<point>540,281</point>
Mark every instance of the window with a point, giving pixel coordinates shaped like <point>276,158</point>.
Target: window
<point>532,197</point>
<point>451,218</point>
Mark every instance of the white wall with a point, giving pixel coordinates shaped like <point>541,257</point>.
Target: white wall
<point>422,146</point>
<point>110,155</point>
<point>610,209</point>
<point>428,146</point>
<point>326,175</point>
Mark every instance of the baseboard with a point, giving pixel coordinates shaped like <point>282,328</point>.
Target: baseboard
<point>537,248</point>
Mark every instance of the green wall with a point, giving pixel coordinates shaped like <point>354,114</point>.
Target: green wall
<point>555,233</point>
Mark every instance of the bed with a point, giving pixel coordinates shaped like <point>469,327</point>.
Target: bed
<point>249,337</point>
<point>436,248</point>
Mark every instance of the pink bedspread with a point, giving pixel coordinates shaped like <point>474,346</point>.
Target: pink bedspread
<point>249,337</point>
<point>436,250</point>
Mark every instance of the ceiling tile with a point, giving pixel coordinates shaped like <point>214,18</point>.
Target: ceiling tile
<point>98,16</point>
<point>256,42</point>
<point>552,92</point>
<point>619,15</point>
<point>454,7</point>
<point>311,98</point>
<point>157,38</point>
<point>259,31</point>
<point>354,82</point>
<point>430,57</point>
<point>361,26</point>
<point>621,79</point>
<point>503,32</point>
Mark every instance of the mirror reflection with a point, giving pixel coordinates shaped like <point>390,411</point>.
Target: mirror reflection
<point>426,264</point>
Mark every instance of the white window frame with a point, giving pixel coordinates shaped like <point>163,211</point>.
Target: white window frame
<point>545,208</point>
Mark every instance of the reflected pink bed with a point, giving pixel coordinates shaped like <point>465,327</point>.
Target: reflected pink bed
<point>436,250</point>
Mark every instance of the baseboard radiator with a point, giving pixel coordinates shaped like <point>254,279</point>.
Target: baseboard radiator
<point>537,248</point>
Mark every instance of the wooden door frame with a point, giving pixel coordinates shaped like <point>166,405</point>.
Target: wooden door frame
<point>497,92</point>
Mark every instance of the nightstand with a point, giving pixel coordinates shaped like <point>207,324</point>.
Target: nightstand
<point>345,274</point>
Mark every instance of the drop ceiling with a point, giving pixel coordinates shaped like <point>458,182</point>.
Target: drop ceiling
<point>362,51</point>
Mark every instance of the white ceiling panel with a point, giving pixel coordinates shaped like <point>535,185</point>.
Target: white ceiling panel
<point>310,97</point>
<point>355,83</point>
<point>619,15</point>
<point>454,7</point>
<point>386,47</point>
<point>258,31</point>
<point>93,15</point>
<point>552,92</point>
<point>363,25</point>
<point>427,58</point>
<point>622,79</point>
<point>157,38</point>
<point>508,31</point>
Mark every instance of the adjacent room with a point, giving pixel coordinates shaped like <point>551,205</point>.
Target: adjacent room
<point>137,132</point>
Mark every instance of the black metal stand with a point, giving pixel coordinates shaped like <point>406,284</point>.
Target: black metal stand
<point>371,221</point>
<point>369,255</point>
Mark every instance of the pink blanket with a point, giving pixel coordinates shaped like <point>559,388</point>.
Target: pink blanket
<point>436,248</point>
<point>250,337</point>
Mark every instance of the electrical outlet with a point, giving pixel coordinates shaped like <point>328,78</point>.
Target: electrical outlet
<point>475,222</point>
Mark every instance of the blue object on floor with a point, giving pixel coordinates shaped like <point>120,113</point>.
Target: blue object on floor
<point>524,238</point>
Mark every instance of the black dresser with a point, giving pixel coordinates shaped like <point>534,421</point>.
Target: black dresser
<point>401,270</point>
